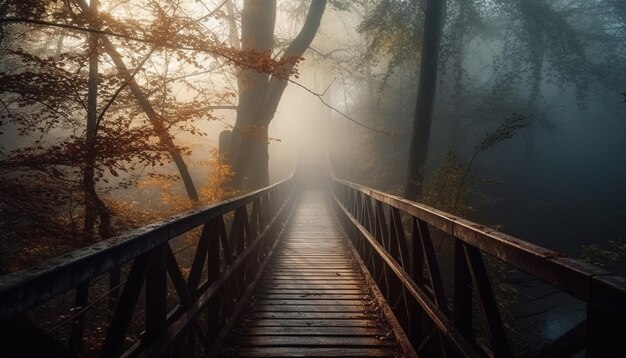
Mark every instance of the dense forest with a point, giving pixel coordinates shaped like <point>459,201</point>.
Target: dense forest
<point>508,112</point>
<point>116,114</point>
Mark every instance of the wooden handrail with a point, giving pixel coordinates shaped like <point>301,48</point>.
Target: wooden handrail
<point>231,257</point>
<point>372,219</point>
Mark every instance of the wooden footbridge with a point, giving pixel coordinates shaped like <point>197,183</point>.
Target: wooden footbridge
<point>330,269</point>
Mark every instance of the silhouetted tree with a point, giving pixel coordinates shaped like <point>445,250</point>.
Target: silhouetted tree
<point>260,93</point>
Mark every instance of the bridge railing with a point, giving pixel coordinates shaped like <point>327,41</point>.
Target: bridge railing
<point>174,285</point>
<point>404,245</point>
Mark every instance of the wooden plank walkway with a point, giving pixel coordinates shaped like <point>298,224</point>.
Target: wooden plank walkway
<point>313,299</point>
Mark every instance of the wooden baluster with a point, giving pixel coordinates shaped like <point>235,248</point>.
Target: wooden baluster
<point>115,278</point>
<point>381,232</point>
<point>156,297</point>
<point>395,286</point>
<point>236,232</point>
<point>247,238</point>
<point>369,215</point>
<point>254,220</point>
<point>358,202</point>
<point>214,307</point>
<point>188,343</point>
<point>231,289</point>
<point>200,256</point>
<point>116,334</point>
<point>434,275</point>
<point>247,234</point>
<point>382,236</point>
<point>78,325</point>
<point>368,223</point>
<point>416,333</point>
<point>487,299</point>
<point>193,280</point>
<point>417,255</point>
<point>462,315</point>
<point>432,267</point>
<point>398,236</point>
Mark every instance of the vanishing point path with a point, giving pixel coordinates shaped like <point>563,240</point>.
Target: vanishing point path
<point>313,299</point>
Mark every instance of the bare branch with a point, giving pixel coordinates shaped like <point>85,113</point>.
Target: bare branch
<point>321,99</point>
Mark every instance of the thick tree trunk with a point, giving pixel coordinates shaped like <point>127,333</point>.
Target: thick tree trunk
<point>422,120</point>
<point>259,93</point>
<point>258,19</point>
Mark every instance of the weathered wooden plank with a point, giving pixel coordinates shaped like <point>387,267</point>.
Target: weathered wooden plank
<point>314,268</point>
<point>314,315</point>
<point>311,253</point>
<point>313,297</point>
<point>333,250</point>
<point>288,341</point>
<point>312,331</point>
<point>318,302</point>
<point>312,352</point>
<point>309,279</point>
<point>315,281</point>
<point>306,308</point>
<point>291,271</point>
<point>334,291</point>
<point>317,262</point>
<point>313,323</point>
<point>314,235</point>
<point>314,252</point>
<point>323,275</point>
<point>312,285</point>
<point>315,249</point>
<point>315,242</point>
<point>312,277</point>
<point>314,289</point>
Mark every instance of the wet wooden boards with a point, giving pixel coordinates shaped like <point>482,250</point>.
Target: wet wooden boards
<point>312,300</point>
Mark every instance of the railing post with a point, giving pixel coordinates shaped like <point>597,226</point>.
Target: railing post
<point>114,343</point>
<point>487,299</point>
<point>156,297</point>
<point>462,315</point>
<point>115,278</point>
<point>213,272</point>
<point>78,325</point>
<point>417,273</point>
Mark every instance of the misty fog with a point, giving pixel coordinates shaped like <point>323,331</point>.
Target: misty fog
<point>119,114</point>
<point>557,182</point>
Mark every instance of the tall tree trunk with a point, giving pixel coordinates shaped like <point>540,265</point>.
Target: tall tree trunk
<point>458,42</point>
<point>422,119</point>
<point>233,32</point>
<point>157,121</point>
<point>260,93</point>
<point>90,135</point>
<point>534,97</point>
<point>94,206</point>
<point>258,19</point>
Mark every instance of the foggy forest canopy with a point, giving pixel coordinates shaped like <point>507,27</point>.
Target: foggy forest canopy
<point>115,113</point>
